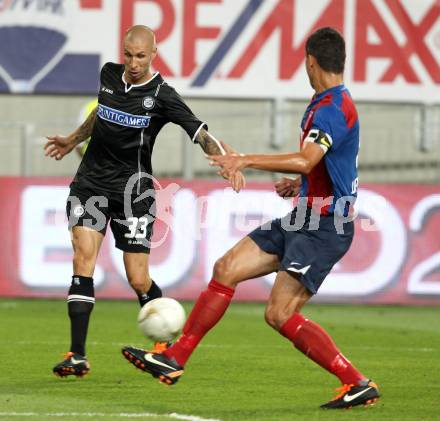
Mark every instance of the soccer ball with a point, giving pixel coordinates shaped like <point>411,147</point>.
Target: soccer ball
<point>162,319</point>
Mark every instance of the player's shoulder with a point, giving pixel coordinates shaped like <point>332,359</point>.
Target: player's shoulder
<point>337,112</point>
<point>166,92</point>
<point>327,110</point>
<point>112,68</point>
<point>331,105</point>
<point>166,89</point>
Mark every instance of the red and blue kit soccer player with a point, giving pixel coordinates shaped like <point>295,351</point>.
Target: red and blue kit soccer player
<point>302,253</point>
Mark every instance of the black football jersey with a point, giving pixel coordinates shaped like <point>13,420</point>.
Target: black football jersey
<point>128,120</point>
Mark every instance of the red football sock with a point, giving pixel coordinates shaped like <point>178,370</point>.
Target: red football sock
<point>207,311</point>
<point>313,341</point>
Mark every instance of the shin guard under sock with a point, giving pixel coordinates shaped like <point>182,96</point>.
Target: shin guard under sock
<point>207,311</point>
<point>80,302</point>
<point>313,341</point>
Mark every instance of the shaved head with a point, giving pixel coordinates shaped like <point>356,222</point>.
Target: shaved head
<point>139,51</point>
<point>141,34</point>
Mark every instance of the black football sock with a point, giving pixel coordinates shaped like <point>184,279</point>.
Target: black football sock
<point>153,292</point>
<point>80,302</point>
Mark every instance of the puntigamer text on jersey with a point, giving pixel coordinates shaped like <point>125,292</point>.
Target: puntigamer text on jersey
<point>124,119</point>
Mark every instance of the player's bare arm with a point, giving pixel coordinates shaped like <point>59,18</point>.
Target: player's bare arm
<point>211,146</point>
<point>288,187</point>
<point>292,163</point>
<point>59,146</point>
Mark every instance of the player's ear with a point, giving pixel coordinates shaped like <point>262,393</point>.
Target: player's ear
<point>153,53</point>
<point>311,60</point>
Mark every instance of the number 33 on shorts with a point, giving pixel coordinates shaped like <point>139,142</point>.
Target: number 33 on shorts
<point>137,227</point>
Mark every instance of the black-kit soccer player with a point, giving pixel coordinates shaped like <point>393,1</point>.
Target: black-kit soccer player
<point>114,184</point>
<point>301,253</point>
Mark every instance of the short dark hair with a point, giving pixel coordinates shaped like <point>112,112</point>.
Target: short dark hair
<point>328,47</point>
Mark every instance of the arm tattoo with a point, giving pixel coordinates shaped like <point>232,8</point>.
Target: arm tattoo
<point>208,143</point>
<point>85,130</point>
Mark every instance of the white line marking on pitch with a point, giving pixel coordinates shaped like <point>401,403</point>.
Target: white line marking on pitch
<point>102,414</point>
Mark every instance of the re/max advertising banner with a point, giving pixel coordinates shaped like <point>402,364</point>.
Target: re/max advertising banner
<point>224,48</point>
<point>394,258</point>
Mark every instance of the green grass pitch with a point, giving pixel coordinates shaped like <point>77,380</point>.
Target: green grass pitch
<point>242,370</point>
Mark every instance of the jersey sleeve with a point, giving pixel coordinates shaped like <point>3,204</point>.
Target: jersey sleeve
<point>328,128</point>
<point>179,113</point>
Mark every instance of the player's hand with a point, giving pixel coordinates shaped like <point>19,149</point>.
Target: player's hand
<point>237,180</point>
<point>288,187</point>
<point>228,149</point>
<point>230,163</point>
<point>58,146</point>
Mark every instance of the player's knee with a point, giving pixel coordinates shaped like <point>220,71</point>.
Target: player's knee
<point>275,317</point>
<point>270,317</point>
<point>223,272</point>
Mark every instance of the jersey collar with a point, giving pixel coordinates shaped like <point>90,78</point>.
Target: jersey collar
<point>134,85</point>
<point>329,91</point>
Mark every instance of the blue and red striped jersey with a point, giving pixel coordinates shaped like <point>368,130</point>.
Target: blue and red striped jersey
<point>331,120</point>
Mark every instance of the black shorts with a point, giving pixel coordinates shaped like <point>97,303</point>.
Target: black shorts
<point>307,253</point>
<point>131,220</point>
